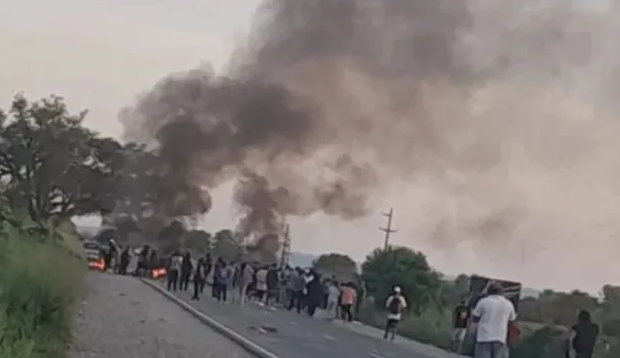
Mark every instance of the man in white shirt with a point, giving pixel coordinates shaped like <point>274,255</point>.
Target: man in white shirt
<point>493,314</point>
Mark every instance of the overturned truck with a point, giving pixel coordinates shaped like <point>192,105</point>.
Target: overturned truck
<point>477,290</point>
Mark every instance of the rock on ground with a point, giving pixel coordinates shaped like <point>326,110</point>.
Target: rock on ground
<point>123,318</point>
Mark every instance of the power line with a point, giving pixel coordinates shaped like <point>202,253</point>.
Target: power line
<point>388,230</point>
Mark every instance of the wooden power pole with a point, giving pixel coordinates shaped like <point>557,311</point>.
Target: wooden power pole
<point>286,247</point>
<point>388,230</point>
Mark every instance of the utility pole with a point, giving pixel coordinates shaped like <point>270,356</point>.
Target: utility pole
<point>286,247</point>
<point>388,230</point>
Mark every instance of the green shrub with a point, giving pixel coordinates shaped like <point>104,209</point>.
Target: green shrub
<point>39,286</point>
<point>432,327</point>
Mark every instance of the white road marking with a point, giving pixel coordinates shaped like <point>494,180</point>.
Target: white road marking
<point>329,338</point>
<point>294,324</point>
<point>375,355</point>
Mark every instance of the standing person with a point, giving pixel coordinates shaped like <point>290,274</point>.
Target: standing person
<point>245,277</point>
<point>395,305</point>
<point>333,296</point>
<point>143,260</point>
<point>325,296</point>
<point>460,319</point>
<point>186,271</point>
<point>283,287</point>
<point>199,278</point>
<point>314,292</point>
<point>261,285</point>
<point>205,273</point>
<point>347,299</point>
<point>234,269</point>
<point>208,267</point>
<point>114,256</point>
<point>124,261</point>
<point>174,270</point>
<point>582,337</point>
<point>297,284</point>
<point>220,280</point>
<point>273,281</point>
<point>214,287</point>
<point>493,313</point>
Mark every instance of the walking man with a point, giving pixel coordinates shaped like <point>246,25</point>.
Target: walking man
<point>245,277</point>
<point>333,294</point>
<point>493,313</point>
<point>296,285</point>
<point>186,271</point>
<point>395,304</point>
<point>174,270</point>
<point>199,278</point>
<point>582,337</point>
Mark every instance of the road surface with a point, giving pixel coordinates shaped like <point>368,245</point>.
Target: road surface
<point>123,318</point>
<point>289,335</point>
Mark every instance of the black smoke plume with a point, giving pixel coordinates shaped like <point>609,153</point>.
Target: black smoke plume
<point>331,101</point>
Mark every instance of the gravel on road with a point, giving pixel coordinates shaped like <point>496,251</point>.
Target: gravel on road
<point>122,317</point>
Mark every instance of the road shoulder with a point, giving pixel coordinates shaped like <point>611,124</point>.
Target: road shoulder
<point>121,317</point>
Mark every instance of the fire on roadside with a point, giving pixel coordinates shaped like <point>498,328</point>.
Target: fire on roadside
<point>97,265</point>
<point>159,273</point>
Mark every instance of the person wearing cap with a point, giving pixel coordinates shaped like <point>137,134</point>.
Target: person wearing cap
<point>395,305</point>
<point>493,314</point>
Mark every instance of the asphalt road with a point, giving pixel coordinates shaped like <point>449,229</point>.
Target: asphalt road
<point>289,335</point>
<point>123,318</point>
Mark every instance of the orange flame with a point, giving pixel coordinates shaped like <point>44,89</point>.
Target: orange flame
<point>98,265</point>
<point>158,273</point>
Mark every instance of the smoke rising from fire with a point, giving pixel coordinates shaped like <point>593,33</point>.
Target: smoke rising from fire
<point>506,109</point>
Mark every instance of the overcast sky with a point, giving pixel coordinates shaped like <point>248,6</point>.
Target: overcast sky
<point>100,54</point>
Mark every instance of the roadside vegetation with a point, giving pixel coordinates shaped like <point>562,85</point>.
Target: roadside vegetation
<point>39,287</point>
<point>432,297</point>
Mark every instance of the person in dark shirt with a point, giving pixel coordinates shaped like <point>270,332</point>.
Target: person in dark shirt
<point>272,285</point>
<point>199,279</point>
<point>460,320</point>
<point>186,272</point>
<point>582,337</point>
<point>124,261</point>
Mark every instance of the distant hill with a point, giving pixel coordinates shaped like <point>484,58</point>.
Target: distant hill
<point>302,259</point>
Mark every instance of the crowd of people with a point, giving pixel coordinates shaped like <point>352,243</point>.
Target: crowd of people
<point>295,289</point>
<point>305,291</point>
<point>302,290</point>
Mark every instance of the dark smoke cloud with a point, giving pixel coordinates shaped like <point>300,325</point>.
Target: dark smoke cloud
<point>330,101</point>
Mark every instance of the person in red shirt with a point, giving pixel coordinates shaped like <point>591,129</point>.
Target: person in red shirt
<point>347,299</point>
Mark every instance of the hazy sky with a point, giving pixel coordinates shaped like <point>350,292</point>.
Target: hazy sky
<point>99,55</point>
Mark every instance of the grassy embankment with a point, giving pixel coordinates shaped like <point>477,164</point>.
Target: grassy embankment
<point>40,284</point>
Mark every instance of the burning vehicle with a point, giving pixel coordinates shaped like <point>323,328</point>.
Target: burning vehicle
<point>92,250</point>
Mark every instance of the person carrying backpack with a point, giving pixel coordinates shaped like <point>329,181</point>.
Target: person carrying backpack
<point>395,305</point>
